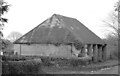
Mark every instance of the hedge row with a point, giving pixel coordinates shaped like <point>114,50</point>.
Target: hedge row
<point>13,58</point>
<point>33,67</point>
<point>48,61</point>
<point>17,57</point>
<point>21,67</point>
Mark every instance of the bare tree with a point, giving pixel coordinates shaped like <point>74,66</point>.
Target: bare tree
<point>117,9</point>
<point>13,36</point>
<point>113,38</point>
<point>113,21</point>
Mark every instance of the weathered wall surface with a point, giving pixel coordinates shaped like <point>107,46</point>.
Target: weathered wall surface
<point>44,50</point>
<point>17,48</point>
<point>111,49</point>
<point>49,50</point>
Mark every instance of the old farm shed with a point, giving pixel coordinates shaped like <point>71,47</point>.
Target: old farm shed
<point>62,37</point>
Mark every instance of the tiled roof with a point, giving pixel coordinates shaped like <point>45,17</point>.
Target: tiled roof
<point>60,29</point>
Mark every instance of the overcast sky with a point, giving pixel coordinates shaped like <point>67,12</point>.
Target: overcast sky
<point>27,14</point>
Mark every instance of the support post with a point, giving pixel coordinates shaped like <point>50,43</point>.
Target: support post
<point>86,50</point>
<point>20,49</point>
<point>95,53</point>
<point>104,52</point>
<point>83,51</point>
<point>89,52</point>
<point>100,53</point>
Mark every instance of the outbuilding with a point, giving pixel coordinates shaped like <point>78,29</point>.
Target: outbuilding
<point>61,36</point>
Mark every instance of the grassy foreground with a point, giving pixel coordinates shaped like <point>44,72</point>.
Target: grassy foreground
<point>36,65</point>
<point>81,69</point>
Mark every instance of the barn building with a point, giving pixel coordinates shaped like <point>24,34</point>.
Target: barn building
<point>61,36</point>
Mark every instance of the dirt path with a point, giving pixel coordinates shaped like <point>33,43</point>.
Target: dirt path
<point>113,70</point>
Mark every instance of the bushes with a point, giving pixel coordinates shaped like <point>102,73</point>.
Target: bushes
<point>77,62</point>
<point>21,67</point>
<point>48,61</point>
<point>32,65</point>
<point>13,58</point>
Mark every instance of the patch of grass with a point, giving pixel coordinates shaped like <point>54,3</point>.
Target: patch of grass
<point>88,68</point>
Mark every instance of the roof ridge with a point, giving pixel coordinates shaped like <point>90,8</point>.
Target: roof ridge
<point>63,16</point>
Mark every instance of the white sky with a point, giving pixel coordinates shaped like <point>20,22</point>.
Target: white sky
<point>24,15</point>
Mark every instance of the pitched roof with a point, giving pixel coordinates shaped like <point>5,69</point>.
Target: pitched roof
<point>60,29</point>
